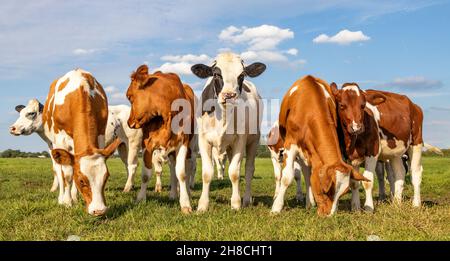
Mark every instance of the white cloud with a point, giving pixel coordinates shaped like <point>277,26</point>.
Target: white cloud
<point>292,51</point>
<point>111,89</point>
<point>81,51</point>
<point>178,68</point>
<point>187,58</point>
<point>262,37</point>
<point>344,37</point>
<point>263,56</point>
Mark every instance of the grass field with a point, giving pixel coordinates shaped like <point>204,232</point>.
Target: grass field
<point>28,211</point>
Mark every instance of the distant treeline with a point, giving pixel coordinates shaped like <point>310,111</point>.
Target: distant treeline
<point>9,153</point>
<point>262,152</point>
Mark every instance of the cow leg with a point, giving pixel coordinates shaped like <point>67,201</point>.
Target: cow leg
<point>180,170</point>
<point>379,170</point>
<point>277,174</point>
<point>74,192</point>
<point>249,172</point>
<point>68,175</point>
<point>415,155</point>
<point>173,194</point>
<point>309,194</point>
<point>354,186</point>
<point>370,165</point>
<point>60,176</point>
<point>157,164</point>
<point>234,174</point>
<point>132,161</point>
<point>286,179</point>
<point>192,168</point>
<point>298,180</point>
<point>55,182</point>
<point>391,178</point>
<point>399,171</point>
<point>207,173</point>
<point>218,162</point>
<point>145,175</point>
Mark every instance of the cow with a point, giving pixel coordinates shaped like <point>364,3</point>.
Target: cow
<point>307,124</point>
<point>380,125</point>
<point>228,119</point>
<point>155,99</point>
<point>74,118</point>
<point>30,121</point>
<point>275,145</point>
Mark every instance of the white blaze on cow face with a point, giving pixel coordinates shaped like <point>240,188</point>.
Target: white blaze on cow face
<point>93,167</point>
<point>30,119</point>
<point>231,68</point>
<point>352,88</point>
<point>342,183</point>
<point>293,90</point>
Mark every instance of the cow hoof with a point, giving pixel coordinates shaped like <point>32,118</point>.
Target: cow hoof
<point>202,209</point>
<point>368,209</point>
<point>275,212</point>
<point>416,204</point>
<point>127,189</point>
<point>247,202</point>
<point>158,189</point>
<point>236,205</point>
<point>141,197</point>
<point>173,196</point>
<point>186,210</point>
<point>220,177</point>
<point>299,198</point>
<point>53,189</point>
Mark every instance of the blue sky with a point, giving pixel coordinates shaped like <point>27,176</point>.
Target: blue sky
<point>400,46</point>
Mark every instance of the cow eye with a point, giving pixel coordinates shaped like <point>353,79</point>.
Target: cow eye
<point>217,75</point>
<point>31,114</point>
<point>83,183</point>
<point>363,106</point>
<point>342,107</point>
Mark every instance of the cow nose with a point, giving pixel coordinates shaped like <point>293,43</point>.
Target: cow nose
<point>12,129</point>
<point>229,95</point>
<point>356,127</point>
<point>99,212</point>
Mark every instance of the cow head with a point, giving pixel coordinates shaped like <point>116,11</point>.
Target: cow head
<point>330,183</point>
<point>227,77</point>
<point>275,144</point>
<point>138,96</point>
<point>30,118</point>
<point>90,174</point>
<point>351,102</point>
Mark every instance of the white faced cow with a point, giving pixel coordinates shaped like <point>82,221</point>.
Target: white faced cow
<point>229,121</point>
<point>30,121</point>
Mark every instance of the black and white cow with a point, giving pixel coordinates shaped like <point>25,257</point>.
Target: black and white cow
<point>229,120</point>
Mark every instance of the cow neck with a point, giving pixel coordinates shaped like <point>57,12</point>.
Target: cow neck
<point>41,133</point>
<point>85,138</point>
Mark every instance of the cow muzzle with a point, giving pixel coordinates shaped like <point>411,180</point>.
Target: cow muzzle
<point>228,97</point>
<point>355,128</point>
<point>15,131</point>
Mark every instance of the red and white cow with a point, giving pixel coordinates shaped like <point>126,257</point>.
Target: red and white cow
<point>30,121</point>
<point>307,123</point>
<point>380,125</point>
<point>164,108</point>
<point>74,118</point>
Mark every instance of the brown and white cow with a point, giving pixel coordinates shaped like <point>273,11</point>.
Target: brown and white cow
<point>307,123</point>
<point>381,125</point>
<point>229,120</point>
<point>275,145</point>
<point>74,116</point>
<point>155,107</point>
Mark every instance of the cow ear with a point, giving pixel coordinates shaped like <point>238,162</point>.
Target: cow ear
<point>334,89</point>
<point>62,157</point>
<point>355,175</point>
<point>202,71</point>
<point>19,107</point>
<point>41,107</point>
<point>148,82</point>
<point>326,178</point>
<point>109,150</point>
<point>255,69</point>
<point>245,88</point>
<point>375,98</point>
<point>142,70</point>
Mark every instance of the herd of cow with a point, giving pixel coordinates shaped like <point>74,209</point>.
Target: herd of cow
<point>324,131</point>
